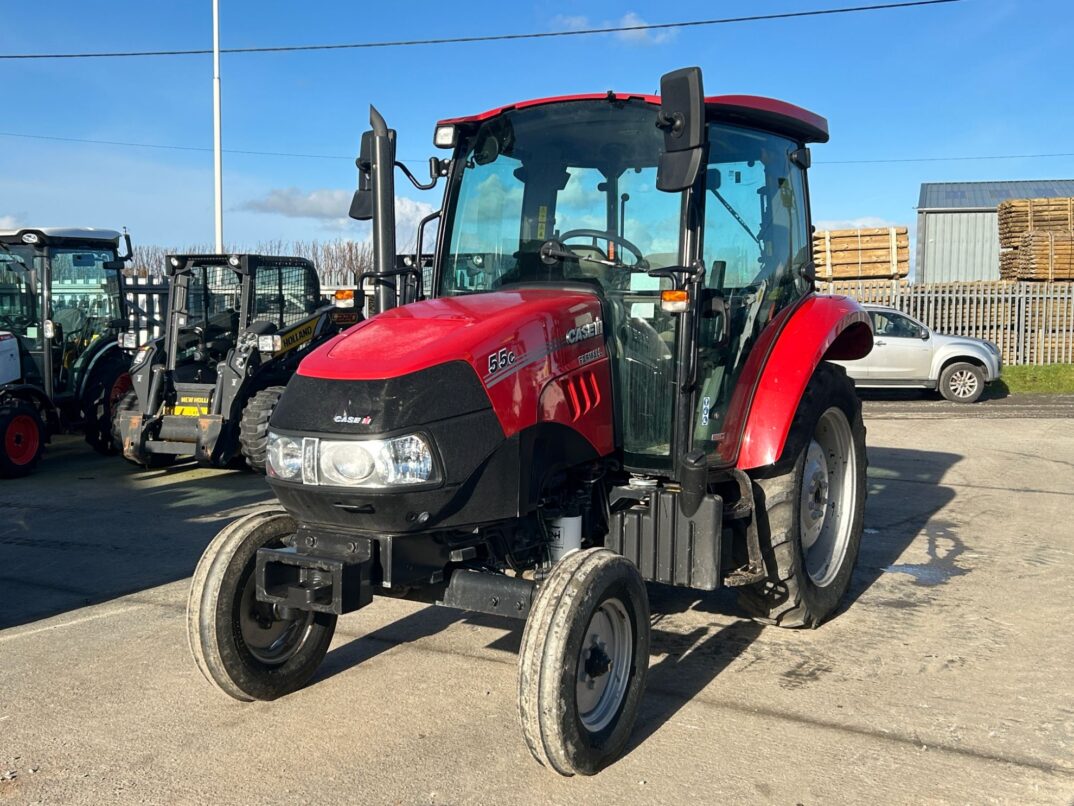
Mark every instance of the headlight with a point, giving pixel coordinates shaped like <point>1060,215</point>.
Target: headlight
<point>283,459</point>
<point>375,462</point>
<point>128,340</point>
<point>269,344</point>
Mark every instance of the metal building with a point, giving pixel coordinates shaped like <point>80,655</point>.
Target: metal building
<point>957,235</point>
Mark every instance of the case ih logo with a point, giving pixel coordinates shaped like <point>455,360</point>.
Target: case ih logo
<point>344,418</point>
<point>577,334</point>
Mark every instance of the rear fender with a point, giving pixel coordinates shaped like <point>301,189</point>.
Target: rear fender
<point>822,328</point>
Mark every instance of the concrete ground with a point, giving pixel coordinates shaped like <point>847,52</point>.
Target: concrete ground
<point>945,678</point>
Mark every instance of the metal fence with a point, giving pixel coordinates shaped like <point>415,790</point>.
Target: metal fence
<point>147,306</point>
<point>1032,323</point>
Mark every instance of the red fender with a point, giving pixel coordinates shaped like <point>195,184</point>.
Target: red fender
<point>820,328</point>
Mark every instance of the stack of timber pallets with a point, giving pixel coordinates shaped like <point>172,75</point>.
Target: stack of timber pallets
<point>861,254</point>
<point>1036,238</point>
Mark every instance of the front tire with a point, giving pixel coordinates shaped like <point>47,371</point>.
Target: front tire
<point>241,645</point>
<point>254,426</point>
<point>810,507</point>
<point>22,439</point>
<point>962,382</point>
<point>583,662</point>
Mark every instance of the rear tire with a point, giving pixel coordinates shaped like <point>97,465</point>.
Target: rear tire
<point>583,662</point>
<point>22,438</point>
<point>962,382</point>
<point>254,426</point>
<point>100,418</point>
<point>238,643</point>
<point>810,507</point>
<point>151,461</point>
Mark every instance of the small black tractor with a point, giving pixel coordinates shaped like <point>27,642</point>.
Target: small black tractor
<point>61,308</point>
<point>237,326</point>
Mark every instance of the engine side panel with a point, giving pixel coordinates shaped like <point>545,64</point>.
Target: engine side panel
<point>780,366</point>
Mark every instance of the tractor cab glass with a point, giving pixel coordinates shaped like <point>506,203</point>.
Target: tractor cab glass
<point>19,308</point>
<point>206,303</point>
<point>67,285</point>
<point>567,192</point>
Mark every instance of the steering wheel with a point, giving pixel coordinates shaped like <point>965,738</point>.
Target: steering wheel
<point>606,236</point>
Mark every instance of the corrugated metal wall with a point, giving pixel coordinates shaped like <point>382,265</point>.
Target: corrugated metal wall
<point>957,247</point>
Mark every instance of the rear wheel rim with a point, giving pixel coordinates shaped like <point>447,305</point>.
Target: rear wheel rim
<point>22,439</point>
<point>828,496</point>
<point>604,664</point>
<point>963,383</point>
<point>270,639</point>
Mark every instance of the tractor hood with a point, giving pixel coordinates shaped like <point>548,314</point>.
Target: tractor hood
<point>448,357</point>
<point>499,334</point>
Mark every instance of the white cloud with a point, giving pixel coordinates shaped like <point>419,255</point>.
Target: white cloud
<point>566,22</point>
<point>331,208</point>
<point>294,203</point>
<point>864,222</point>
<point>9,221</point>
<point>657,37</point>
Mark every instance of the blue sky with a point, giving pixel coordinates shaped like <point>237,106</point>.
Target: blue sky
<point>979,77</point>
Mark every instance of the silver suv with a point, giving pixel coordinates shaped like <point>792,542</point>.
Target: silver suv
<point>908,354</point>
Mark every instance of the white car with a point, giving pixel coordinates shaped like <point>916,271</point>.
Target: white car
<point>908,354</point>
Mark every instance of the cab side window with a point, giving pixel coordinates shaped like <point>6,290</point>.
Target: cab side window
<point>284,295</point>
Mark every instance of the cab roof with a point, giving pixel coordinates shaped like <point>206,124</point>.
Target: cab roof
<point>62,233</point>
<point>755,110</point>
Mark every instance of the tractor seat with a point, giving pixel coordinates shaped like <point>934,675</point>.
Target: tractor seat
<point>71,320</point>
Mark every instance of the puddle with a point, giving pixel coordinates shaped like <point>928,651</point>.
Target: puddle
<point>925,574</point>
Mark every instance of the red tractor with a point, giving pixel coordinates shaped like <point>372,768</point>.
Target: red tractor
<point>622,377</point>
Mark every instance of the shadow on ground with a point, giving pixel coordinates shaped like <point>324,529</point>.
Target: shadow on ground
<point>84,528</point>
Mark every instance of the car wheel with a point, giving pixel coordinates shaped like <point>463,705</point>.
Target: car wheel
<point>962,382</point>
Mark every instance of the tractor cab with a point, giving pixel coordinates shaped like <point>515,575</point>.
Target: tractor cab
<point>568,192</point>
<point>60,294</point>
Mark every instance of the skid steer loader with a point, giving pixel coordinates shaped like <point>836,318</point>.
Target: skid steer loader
<point>237,327</point>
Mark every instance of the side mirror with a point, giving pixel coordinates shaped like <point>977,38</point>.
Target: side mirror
<point>925,334</point>
<point>682,119</point>
<point>362,203</point>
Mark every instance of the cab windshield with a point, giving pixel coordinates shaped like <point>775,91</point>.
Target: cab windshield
<point>84,294</point>
<point>582,173</point>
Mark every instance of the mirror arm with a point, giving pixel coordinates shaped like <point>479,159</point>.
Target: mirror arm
<point>414,180</point>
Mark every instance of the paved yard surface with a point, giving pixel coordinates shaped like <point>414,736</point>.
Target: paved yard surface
<point>946,678</point>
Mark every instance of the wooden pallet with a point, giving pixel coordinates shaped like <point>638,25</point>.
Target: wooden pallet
<point>861,254</point>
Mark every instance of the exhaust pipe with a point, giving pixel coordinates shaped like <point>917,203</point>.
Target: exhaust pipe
<point>383,176</point>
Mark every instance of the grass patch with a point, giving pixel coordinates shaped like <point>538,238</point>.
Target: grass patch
<point>1052,378</point>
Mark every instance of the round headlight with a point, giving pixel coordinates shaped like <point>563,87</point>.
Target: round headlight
<point>345,463</point>
<point>283,458</point>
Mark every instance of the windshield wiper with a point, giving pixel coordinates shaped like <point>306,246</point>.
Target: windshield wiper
<point>737,217</point>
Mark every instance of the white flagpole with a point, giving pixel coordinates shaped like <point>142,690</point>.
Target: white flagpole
<point>218,160</point>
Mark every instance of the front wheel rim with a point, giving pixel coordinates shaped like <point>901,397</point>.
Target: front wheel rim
<point>271,640</point>
<point>22,439</point>
<point>963,383</point>
<point>828,497</point>
<point>604,664</point>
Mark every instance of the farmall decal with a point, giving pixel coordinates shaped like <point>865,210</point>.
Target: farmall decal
<point>583,332</point>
